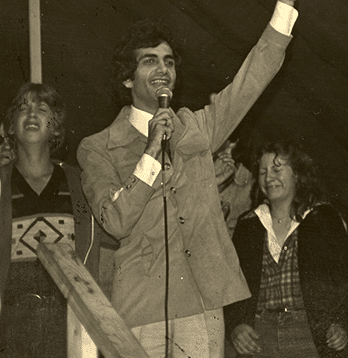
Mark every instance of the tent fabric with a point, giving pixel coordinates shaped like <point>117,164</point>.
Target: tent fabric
<point>307,101</point>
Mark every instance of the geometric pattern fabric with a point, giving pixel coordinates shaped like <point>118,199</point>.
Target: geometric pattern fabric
<point>28,232</point>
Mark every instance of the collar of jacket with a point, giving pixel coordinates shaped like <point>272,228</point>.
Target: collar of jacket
<point>120,126</point>
<point>189,146</point>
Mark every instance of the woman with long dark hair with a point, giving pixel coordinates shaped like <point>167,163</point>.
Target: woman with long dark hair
<point>293,250</point>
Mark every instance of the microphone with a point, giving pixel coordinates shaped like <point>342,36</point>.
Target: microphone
<point>164,95</point>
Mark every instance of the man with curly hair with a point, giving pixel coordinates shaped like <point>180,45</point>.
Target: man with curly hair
<point>122,182</point>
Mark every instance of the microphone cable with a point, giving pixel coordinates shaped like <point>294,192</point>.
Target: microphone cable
<point>164,95</point>
<point>166,299</point>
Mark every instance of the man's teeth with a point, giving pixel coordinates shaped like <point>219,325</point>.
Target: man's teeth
<point>160,82</point>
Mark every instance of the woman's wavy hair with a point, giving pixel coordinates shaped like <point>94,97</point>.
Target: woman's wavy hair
<point>41,93</point>
<point>143,34</point>
<point>309,187</point>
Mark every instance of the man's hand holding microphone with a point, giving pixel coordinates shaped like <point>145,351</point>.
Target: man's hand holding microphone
<point>161,125</point>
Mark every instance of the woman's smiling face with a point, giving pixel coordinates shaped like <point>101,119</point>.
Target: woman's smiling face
<point>34,122</point>
<point>276,178</point>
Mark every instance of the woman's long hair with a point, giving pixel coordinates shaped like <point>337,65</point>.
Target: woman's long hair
<point>309,187</point>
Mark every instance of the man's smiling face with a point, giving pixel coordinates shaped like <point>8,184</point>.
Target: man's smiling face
<point>156,69</point>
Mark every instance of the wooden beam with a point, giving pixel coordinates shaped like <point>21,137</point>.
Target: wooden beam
<point>79,342</point>
<point>107,329</point>
<point>35,41</point>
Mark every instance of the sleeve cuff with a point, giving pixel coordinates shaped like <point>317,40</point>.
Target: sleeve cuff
<point>147,169</point>
<point>284,18</point>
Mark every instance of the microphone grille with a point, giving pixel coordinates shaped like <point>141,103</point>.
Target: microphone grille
<point>164,92</point>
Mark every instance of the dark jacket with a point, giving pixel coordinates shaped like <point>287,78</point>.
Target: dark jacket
<point>323,268</point>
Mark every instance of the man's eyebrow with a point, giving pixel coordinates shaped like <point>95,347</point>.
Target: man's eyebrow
<point>152,55</point>
<point>147,55</point>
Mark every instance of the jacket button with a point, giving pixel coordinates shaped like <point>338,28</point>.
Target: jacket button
<point>182,220</point>
<point>173,190</point>
<point>133,180</point>
<point>188,253</point>
<point>167,166</point>
<point>128,186</point>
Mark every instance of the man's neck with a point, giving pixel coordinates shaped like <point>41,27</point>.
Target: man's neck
<point>149,106</point>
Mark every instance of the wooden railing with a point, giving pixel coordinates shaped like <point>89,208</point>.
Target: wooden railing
<point>102,328</point>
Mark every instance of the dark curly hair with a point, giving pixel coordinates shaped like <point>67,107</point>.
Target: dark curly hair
<point>143,34</point>
<point>309,187</point>
<point>41,93</point>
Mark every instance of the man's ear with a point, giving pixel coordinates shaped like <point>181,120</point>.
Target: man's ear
<point>128,83</point>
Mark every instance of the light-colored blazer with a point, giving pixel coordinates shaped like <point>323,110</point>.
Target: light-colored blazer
<point>204,268</point>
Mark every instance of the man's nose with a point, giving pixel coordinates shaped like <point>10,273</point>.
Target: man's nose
<point>161,67</point>
<point>6,143</point>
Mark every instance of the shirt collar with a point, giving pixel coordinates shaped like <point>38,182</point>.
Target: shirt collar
<point>140,120</point>
<point>265,217</point>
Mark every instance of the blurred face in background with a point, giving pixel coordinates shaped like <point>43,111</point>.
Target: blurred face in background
<point>6,152</point>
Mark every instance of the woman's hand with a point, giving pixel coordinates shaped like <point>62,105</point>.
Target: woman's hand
<point>244,340</point>
<point>336,337</point>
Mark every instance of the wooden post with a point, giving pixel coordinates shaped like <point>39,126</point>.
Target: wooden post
<point>35,41</point>
<point>107,329</point>
<point>79,342</point>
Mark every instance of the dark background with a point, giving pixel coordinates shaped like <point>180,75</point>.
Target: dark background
<point>307,101</point>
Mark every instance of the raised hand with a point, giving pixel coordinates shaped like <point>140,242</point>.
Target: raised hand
<point>224,165</point>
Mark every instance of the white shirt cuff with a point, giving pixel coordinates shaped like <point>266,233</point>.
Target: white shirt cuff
<point>284,17</point>
<point>147,169</point>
